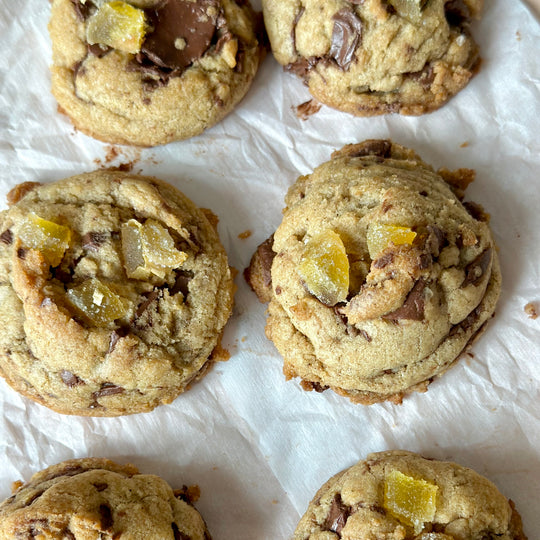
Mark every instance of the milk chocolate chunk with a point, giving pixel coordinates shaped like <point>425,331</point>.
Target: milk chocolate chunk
<point>107,389</point>
<point>476,269</point>
<point>70,379</point>
<point>183,32</point>
<point>337,515</point>
<point>266,256</point>
<point>346,37</point>
<point>413,307</point>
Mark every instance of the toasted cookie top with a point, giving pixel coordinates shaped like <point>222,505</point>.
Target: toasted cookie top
<point>399,494</point>
<point>114,291</point>
<point>381,276</point>
<point>91,498</point>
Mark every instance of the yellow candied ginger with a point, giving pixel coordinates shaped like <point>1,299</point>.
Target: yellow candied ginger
<point>324,267</point>
<point>45,236</point>
<point>97,301</point>
<point>412,501</point>
<point>118,25</point>
<point>381,235</point>
<point>149,249</point>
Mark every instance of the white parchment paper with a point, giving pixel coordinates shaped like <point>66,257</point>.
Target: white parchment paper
<point>258,446</point>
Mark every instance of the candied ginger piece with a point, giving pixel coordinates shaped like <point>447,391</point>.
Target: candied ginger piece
<point>45,236</point>
<point>412,501</point>
<point>149,248</point>
<point>100,305</point>
<point>118,25</point>
<point>380,236</point>
<point>324,267</point>
<point>410,9</point>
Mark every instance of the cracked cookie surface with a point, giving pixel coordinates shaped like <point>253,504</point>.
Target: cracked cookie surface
<point>95,498</point>
<point>364,501</point>
<point>114,291</point>
<point>376,56</point>
<point>188,65</point>
<point>379,276</point>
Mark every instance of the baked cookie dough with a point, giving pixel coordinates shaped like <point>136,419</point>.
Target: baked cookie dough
<point>398,495</point>
<point>378,276</point>
<point>114,291</point>
<point>148,72</point>
<point>91,498</point>
<point>373,57</point>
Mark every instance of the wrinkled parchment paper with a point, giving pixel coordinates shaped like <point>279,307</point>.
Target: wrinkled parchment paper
<point>258,446</point>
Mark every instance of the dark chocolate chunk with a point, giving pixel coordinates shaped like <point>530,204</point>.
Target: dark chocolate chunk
<point>302,67</point>
<point>178,534</point>
<point>477,268</point>
<point>413,307</point>
<point>183,277</point>
<point>107,389</point>
<point>106,517</point>
<point>21,253</point>
<point>466,323</point>
<point>266,257</point>
<point>383,261</point>
<point>82,10</point>
<point>115,336</point>
<point>183,32</point>
<point>435,240</point>
<point>374,147</point>
<point>92,241</point>
<point>346,36</point>
<point>6,237</point>
<point>337,516</point>
<point>70,379</point>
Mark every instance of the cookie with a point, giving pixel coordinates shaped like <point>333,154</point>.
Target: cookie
<point>148,72</point>
<point>90,498</point>
<point>375,57</point>
<point>378,276</point>
<point>401,495</point>
<point>114,291</point>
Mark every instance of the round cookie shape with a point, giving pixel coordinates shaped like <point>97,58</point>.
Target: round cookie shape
<point>374,57</point>
<point>148,72</point>
<point>89,498</point>
<point>446,502</point>
<point>378,277</point>
<point>114,291</point>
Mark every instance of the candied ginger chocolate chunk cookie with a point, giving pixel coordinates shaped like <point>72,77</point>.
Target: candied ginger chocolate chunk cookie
<point>373,57</point>
<point>148,72</point>
<point>379,276</point>
<point>401,495</point>
<point>90,498</point>
<point>114,292</point>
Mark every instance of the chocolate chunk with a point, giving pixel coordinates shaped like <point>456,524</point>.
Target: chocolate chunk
<point>424,261</point>
<point>307,109</point>
<point>107,389</point>
<point>413,307</point>
<point>82,10</point>
<point>337,516</point>
<point>183,277</point>
<point>106,517</point>
<point>425,77</point>
<point>346,36</point>
<point>6,237</point>
<point>70,379</point>
<point>435,240</point>
<point>302,67</point>
<point>115,336</point>
<point>67,470</point>
<point>36,527</point>
<point>374,147</point>
<point>477,268</point>
<point>457,12</point>
<point>266,258</point>
<point>92,241</point>
<point>178,534</point>
<point>383,261</point>
<point>143,306</point>
<point>98,50</point>
<point>21,253</point>
<point>68,535</point>
<point>476,211</point>
<point>101,486</point>
<point>466,323</point>
<point>183,32</point>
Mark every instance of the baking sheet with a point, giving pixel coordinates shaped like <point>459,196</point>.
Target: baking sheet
<point>258,446</point>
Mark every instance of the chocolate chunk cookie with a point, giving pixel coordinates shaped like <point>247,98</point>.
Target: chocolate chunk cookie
<point>378,276</point>
<point>401,495</point>
<point>114,291</point>
<point>91,498</point>
<point>148,72</point>
<point>372,57</point>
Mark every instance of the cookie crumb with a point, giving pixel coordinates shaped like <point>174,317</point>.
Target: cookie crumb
<point>464,144</point>
<point>15,486</point>
<point>245,234</point>
<point>531,311</point>
<point>306,109</point>
<point>275,501</point>
<point>518,35</point>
